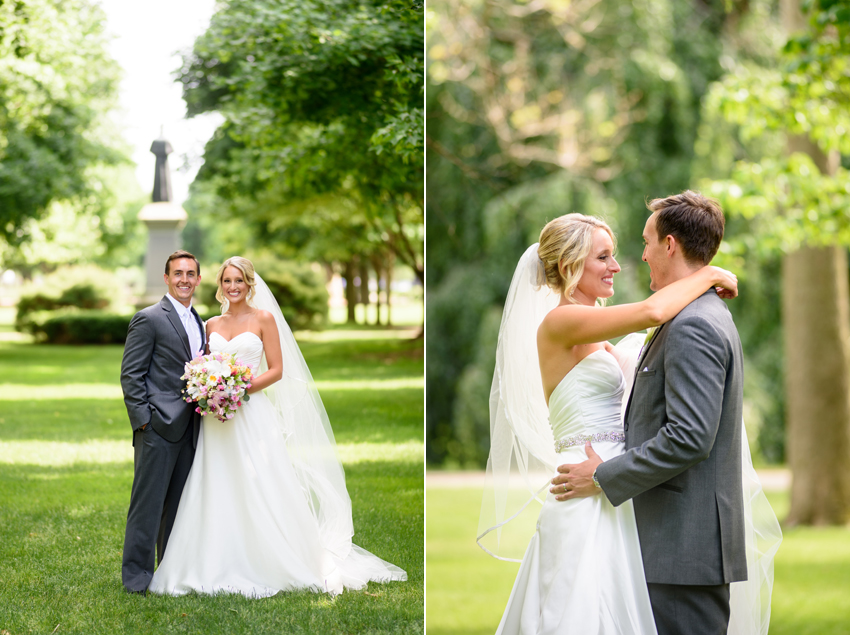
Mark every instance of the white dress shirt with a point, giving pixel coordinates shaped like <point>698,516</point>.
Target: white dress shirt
<point>190,324</point>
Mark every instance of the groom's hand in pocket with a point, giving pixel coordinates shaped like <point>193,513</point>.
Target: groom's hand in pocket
<point>575,480</point>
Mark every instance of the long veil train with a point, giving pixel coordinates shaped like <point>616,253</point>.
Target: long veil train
<point>311,446</point>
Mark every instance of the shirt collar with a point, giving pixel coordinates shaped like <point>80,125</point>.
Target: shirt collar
<point>181,310</point>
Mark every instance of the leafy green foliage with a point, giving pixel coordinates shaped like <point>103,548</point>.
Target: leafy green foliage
<point>34,309</point>
<point>57,83</point>
<point>534,111</point>
<point>776,202</point>
<point>82,327</point>
<point>322,101</point>
<point>300,291</point>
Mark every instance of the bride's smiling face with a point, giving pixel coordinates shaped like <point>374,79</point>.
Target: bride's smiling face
<point>233,285</point>
<point>597,279</point>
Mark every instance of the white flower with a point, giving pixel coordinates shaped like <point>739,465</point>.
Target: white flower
<point>218,369</point>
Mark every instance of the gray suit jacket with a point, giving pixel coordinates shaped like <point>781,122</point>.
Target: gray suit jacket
<point>682,464</point>
<point>155,353</point>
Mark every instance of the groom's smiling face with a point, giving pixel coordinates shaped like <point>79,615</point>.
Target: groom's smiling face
<point>182,278</point>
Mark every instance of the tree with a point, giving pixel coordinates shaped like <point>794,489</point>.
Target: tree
<point>535,110</point>
<point>57,83</point>
<point>322,99</point>
<point>797,207</point>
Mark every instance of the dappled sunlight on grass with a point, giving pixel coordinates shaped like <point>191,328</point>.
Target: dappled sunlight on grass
<point>8,335</point>
<point>371,384</point>
<point>27,392</point>
<point>66,471</point>
<point>410,452</point>
<point>61,453</point>
<point>467,589</point>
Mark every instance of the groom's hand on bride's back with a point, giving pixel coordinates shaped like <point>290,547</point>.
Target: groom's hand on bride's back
<point>575,480</point>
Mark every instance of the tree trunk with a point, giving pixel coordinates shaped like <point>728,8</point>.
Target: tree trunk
<point>817,374</point>
<point>376,264</point>
<point>816,326</point>
<point>389,279</point>
<point>350,292</point>
<point>363,272</point>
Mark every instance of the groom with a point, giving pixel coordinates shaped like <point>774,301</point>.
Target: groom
<point>682,465</point>
<point>160,340</point>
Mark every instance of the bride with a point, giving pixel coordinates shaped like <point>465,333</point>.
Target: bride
<point>265,507</point>
<point>582,571</point>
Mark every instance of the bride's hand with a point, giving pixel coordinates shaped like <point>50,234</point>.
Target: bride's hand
<point>725,283</point>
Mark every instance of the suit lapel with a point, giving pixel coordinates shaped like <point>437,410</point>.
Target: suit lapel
<point>177,324</point>
<point>645,349</point>
<point>643,354</point>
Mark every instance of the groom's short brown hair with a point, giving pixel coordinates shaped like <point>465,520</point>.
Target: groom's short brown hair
<point>181,254</point>
<point>694,220</point>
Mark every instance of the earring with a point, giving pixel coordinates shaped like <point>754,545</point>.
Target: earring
<point>250,293</point>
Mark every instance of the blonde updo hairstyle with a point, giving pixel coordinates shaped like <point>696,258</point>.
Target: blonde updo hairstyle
<point>565,244</point>
<point>247,268</point>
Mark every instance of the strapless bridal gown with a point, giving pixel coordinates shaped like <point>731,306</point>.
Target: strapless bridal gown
<point>244,524</point>
<point>582,572</point>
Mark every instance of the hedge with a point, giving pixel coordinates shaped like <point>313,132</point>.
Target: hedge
<point>83,327</point>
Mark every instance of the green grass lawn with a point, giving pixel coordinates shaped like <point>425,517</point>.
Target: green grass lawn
<point>66,471</point>
<point>467,589</point>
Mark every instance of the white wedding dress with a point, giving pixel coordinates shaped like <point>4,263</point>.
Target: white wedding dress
<point>244,524</point>
<point>582,571</point>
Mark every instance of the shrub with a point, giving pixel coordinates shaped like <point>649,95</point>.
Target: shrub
<point>83,296</point>
<point>28,306</point>
<point>83,327</point>
<point>301,293</point>
<point>69,287</point>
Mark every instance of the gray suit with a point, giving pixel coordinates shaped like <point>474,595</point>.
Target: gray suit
<point>155,353</point>
<point>682,464</point>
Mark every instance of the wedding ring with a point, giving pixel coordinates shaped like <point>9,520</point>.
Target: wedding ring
<point>565,488</point>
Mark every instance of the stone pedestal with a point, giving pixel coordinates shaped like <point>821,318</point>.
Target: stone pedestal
<point>164,221</point>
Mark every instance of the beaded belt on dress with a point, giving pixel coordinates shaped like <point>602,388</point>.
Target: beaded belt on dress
<point>579,439</point>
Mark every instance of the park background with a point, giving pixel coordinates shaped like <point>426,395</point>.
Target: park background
<point>298,143</point>
<point>538,108</point>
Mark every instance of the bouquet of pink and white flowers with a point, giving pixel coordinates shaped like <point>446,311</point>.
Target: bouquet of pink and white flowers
<point>218,383</point>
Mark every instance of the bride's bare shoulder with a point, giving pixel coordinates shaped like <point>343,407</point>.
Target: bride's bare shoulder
<point>556,318</point>
<point>265,320</point>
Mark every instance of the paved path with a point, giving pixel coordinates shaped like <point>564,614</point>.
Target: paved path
<point>772,479</point>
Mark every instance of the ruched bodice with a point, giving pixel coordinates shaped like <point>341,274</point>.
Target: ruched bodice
<point>582,572</point>
<point>247,346</point>
<point>589,399</point>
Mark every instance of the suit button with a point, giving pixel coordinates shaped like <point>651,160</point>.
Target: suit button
<point>625,426</point>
